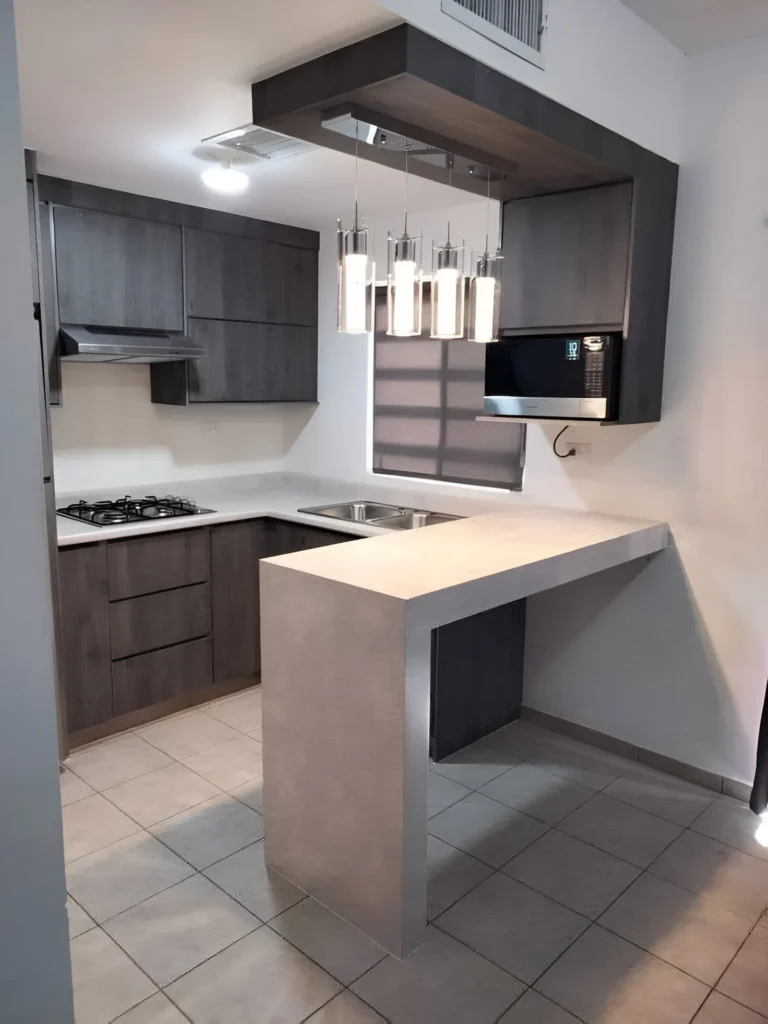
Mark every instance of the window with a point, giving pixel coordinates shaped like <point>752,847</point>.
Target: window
<point>517,25</point>
<point>426,397</point>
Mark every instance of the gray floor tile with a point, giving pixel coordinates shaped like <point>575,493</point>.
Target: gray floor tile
<point>251,794</point>
<point>746,980</point>
<point>733,823</point>
<point>533,1008</point>
<point>260,978</point>
<point>116,760</point>
<point>673,799</point>
<point>579,763</point>
<point>486,829</point>
<point>474,766</point>
<point>242,711</point>
<point>158,1009</point>
<point>688,932</point>
<point>515,927</point>
<point>336,946</point>
<point>718,1009</point>
<point>718,872</point>
<point>575,874</point>
<point>110,881</point>
<point>617,828</point>
<point>346,1008</point>
<point>183,735</point>
<point>441,793</point>
<point>161,794</point>
<point>245,877</point>
<point>79,921</point>
<point>72,788</point>
<point>171,933</point>
<point>538,793</point>
<point>603,979</point>
<point>450,875</point>
<point>520,740</point>
<point>91,824</point>
<point>211,830</point>
<point>105,981</point>
<point>229,764</point>
<point>443,982</point>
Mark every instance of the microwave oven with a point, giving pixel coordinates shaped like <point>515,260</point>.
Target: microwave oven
<point>563,376</point>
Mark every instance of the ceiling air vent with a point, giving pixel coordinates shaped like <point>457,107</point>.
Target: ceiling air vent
<point>517,25</point>
<point>260,142</point>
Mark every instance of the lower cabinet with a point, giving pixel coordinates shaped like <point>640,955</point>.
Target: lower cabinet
<point>147,679</point>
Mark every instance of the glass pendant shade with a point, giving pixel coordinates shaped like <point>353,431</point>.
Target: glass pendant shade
<point>355,292</point>
<point>484,297</point>
<point>448,291</point>
<point>404,286</point>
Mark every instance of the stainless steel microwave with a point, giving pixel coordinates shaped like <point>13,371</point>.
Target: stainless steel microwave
<point>563,376</point>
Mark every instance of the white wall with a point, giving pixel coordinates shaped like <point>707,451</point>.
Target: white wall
<point>34,959</point>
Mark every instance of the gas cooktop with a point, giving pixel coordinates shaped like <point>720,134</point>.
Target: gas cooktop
<point>131,510</point>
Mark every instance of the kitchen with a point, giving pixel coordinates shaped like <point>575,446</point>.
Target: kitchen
<point>675,697</point>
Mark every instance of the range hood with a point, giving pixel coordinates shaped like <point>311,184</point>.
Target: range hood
<point>124,345</point>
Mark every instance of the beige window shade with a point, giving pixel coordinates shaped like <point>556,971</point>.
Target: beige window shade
<point>426,397</point>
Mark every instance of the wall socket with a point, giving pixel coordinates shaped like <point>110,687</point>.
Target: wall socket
<point>581,449</point>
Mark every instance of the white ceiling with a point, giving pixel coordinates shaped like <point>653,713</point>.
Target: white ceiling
<point>697,25</point>
<point>120,92</point>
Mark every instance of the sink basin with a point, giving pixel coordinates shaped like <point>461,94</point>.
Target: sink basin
<point>413,520</point>
<point>356,511</point>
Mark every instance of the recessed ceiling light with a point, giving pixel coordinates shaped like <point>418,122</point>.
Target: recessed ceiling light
<point>225,179</point>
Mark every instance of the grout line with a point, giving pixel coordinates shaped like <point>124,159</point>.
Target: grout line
<point>138,966</point>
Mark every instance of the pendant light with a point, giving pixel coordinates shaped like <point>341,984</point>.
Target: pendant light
<point>355,274</point>
<point>448,287</point>
<point>485,289</point>
<point>404,282</point>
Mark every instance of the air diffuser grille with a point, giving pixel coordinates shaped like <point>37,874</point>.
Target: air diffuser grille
<point>260,142</point>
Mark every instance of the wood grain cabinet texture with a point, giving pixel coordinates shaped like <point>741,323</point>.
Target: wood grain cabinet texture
<point>145,565</point>
<point>146,679</point>
<point>141,624</point>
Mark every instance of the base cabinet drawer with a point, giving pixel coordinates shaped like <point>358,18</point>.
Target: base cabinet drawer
<point>145,565</point>
<point>148,679</point>
<point>158,620</point>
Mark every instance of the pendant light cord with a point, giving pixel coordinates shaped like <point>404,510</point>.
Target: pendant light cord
<point>407,147</point>
<point>488,214</point>
<point>357,165</point>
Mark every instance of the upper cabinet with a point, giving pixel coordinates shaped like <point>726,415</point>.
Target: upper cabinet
<point>115,271</point>
<point>234,278</point>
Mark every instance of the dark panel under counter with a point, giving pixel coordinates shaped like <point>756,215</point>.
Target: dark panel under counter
<point>158,620</point>
<point>173,672</point>
<point>145,565</point>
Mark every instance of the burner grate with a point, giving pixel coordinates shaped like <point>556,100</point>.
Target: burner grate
<point>131,510</point>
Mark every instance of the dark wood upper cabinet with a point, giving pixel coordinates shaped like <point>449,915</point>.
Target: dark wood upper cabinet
<point>566,259</point>
<point>234,278</point>
<point>115,271</point>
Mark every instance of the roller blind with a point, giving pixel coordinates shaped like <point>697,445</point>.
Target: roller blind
<point>516,24</point>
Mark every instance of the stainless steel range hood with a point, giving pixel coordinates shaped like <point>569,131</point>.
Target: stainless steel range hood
<point>123,345</point>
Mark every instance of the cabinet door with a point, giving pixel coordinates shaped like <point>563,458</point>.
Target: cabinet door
<point>247,362</point>
<point>117,271</point>
<point>566,259</point>
<point>290,537</point>
<point>235,552</point>
<point>147,679</point>
<point>233,278</point>
<point>85,660</point>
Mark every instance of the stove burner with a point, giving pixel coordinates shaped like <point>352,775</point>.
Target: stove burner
<point>131,510</point>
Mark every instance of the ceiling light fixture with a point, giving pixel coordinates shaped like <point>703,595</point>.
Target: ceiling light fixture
<point>225,179</point>
<point>448,286</point>
<point>404,281</point>
<point>355,275</point>
<point>485,288</point>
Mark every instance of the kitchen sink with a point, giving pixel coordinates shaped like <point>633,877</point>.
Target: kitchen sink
<point>356,511</point>
<point>412,519</point>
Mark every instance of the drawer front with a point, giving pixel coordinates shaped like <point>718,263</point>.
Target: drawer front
<point>148,679</point>
<point>142,624</point>
<point>145,565</point>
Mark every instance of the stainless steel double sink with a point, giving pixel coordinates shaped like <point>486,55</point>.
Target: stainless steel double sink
<point>392,517</point>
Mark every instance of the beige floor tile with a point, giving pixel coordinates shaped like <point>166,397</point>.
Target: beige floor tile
<point>251,794</point>
<point>718,872</point>
<point>442,792</point>
<point>718,1009</point>
<point>538,793</point>
<point>533,1008</point>
<point>579,763</point>
<point>110,881</point>
<point>443,982</point>
<point>247,879</point>
<point>486,829</point>
<point>91,824</point>
<point>621,830</point>
<point>79,921</point>
<point>230,764</point>
<point>187,734</point>
<point>346,1008</point>
<point>746,980</point>
<point>339,948</point>
<point>603,979</point>
<point>242,711</point>
<point>733,823</point>
<point>161,794</point>
<point>474,766</point>
<point>158,1009</point>
<point>673,799</point>
<point>515,927</point>
<point>116,760</point>
<point>175,931</point>
<point>72,788</point>
<point>450,875</point>
<point>210,831</point>
<point>688,932</point>
<point>105,981</point>
<point>260,978</point>
<point>575,874</point>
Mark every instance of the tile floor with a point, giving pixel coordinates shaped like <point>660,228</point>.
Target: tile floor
<point>566,885</point>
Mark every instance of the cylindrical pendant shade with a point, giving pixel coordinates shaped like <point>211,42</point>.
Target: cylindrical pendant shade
<point>448,291</point>
<point>485,298</point>
<point>404,286</point>
<point>355,287</point>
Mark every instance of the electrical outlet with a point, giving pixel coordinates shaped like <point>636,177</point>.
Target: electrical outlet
<point>581,450</point>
